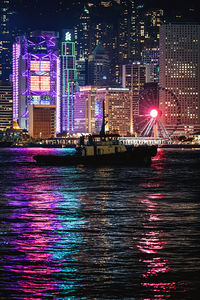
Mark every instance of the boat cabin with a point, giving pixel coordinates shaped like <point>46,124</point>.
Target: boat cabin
<point>100,145</point>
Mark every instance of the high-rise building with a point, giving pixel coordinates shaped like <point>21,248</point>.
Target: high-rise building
<point>134,76</point>
<point>180,75</point>
<point>36,74</point>
<point>82,72</point>
<point>82,35</point>
<point>127,32</point>
<point>147,28</point>
<point>93,28</point>
<point>42,121</point>
<point>118,110</point>
<point>84,110</point>
<point>6,106</point>
<point>89,110</point>
<point>69,80</point>
<point>150,56</point>
<point>5,40</point>
<point>98,67</point>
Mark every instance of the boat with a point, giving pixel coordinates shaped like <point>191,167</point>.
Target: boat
<point>102,150</point>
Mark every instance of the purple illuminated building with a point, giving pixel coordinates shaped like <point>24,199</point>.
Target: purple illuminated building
<point>36,75</point>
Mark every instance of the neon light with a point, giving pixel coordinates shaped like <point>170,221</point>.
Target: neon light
<point>68,37</point>
<point>58,104</point>
<point>38,80</point>
<point>45,66</point>
<point>40,66</point>
<point>68,84</point>
<point>40,83</point>
<point>16,55</point>
<point>44,83</point>
<point>35,65</point>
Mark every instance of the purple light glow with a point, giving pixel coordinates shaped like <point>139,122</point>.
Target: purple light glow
<point>58,103</point>
<point>16,55</point>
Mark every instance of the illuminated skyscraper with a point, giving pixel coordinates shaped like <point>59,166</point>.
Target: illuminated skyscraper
<point>95,28</point>
<point>180,74</point>
<point>6,106</point>
<point>36,74</point>
<point>5,40</point>
<point>69,80</point>
<point>150,56</point>
<point>134,76</point>
<point>82,35</point>
<point>42,121</point>
<point>84,110</point>
<point>118,109</point>
<point>98,67</point>
<point>127,31</point>
<point>89,110</point>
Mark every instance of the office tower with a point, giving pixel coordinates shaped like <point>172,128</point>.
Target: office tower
<point>118,110</point>
<point>5,40</point>
<point>89,110</point>
<point>134,76</point>
<point>69,80</point>
<point>42,121</point>
<point>82,35</point>
<point>95,28</point>
<point>180,74</point>
<point>127,31</point>
<point>82,71</point>
<point>36,74</point>
<point>84,110</point>
<point>147,27</point>
<point>6,106</point>
<point>150,56</point>
<point>98,67</point>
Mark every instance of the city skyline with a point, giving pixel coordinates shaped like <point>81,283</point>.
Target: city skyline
<point>50,66</point>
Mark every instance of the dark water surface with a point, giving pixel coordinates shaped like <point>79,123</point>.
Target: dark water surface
<point>100,233</point>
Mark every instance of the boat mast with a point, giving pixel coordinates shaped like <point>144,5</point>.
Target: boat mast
<point>104,122</point>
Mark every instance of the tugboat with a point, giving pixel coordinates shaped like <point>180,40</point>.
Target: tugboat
<point>102,149</point>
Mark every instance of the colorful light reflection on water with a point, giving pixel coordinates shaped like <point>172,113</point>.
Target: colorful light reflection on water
<point>98,233</point>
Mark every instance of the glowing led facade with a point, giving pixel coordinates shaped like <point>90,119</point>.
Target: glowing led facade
<point>36,74</point>
<point>69,80</point>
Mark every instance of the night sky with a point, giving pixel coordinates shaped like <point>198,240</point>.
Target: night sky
<point>57,14</point>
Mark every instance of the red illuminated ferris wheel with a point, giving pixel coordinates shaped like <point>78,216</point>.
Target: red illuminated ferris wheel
<point>148,113</point>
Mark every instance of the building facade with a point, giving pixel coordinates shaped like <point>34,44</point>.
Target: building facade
<point>69,80</point>
<point>89,110</point>
<point>6,106</point>
<point>150,56</point>
<point>118,110</point>
<point>84,110</point>
<point>180,75</point>
<point>5,40</point>
<point>36,74</point>
<point>99,67</point>
<point>42,121</point>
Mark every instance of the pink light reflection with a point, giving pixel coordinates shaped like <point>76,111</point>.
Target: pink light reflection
<point>35,242</point>
<point>150,246</point>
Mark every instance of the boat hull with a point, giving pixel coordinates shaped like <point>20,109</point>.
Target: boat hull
<point>136,156</point>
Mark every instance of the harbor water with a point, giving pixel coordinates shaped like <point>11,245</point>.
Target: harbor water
<point>99,233</point>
